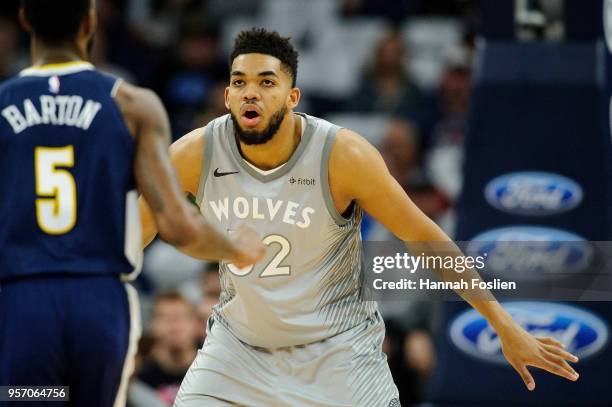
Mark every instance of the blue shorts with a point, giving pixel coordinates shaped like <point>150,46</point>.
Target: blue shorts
<point>74,331</point>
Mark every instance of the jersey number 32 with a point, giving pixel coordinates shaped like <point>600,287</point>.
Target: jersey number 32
<point>274,267</point>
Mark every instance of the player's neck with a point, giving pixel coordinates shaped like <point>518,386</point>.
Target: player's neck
<point>43,54</point>
<point>277,150</point>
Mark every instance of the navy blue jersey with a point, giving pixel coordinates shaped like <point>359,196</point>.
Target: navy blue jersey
<point>67,190</point>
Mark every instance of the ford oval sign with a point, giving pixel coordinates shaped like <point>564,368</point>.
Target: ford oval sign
<point>533,193</point>
<point>531,252</point>
<point>582,332</point>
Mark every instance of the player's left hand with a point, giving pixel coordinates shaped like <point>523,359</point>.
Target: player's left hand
<point>522,349</point>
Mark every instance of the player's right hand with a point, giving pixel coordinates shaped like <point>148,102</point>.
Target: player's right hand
<point>248,248</point>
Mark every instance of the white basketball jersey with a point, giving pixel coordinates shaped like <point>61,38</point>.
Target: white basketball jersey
<point>308,285</point>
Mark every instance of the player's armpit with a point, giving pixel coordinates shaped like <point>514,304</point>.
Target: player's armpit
<point>358,172</point>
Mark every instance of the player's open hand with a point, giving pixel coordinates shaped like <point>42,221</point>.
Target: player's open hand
<point>248,248</point>
<point>522,349</point>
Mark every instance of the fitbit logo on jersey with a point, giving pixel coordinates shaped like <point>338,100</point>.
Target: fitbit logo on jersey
<point>302,181</point>
<point>258,208</point>
<point>582,332</point>
<point>533,193</point>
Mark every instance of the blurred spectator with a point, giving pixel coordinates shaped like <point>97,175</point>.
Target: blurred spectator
<point>400,150</point>
<point>399,147</point>
<point>409,345</point>
<point>116,48</point>
<point>397,10</point>
<point>445,158</point>
<point>203,292</point>
<point>157,22</point>
<point>186,77</point>
<point>166,267</point>
<point>419,353</point>
<point>385,86</point>
<point>99,57</point>
<point>141,394</point>
<point>211,289</point>
<point>10,64</point>
<point>220,10</point>
<point>392,10</point>
<point>214,105</point>
<point>448,7</point>
<point>174,329</point>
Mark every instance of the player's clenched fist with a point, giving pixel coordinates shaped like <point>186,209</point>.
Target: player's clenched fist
<point>248,248</point>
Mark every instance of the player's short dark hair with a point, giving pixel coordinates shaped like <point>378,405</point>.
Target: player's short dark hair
<point>55,21</point>
<point>262,41</point>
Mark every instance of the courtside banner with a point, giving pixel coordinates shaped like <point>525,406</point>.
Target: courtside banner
<point>553,265</point>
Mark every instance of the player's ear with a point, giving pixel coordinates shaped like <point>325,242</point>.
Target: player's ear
<point>23,20</point>
<point>294,97</point>
<point>226,97</point>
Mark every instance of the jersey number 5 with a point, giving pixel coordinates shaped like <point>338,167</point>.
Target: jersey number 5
<point>55,188</point>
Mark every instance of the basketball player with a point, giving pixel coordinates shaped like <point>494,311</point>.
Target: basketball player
<point>292,330</point>
<point>74,143</point>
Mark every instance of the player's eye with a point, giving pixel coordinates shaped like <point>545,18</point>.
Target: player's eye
<point>267,82</point>
<point>237,82</point>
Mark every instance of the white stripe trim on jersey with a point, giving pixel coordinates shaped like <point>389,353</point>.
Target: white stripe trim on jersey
<point>227,130</point>
<point>264,172</point>
<point>133,236</point>
<point>57,69</point>
<point>134,337</point>
<point>115,88</point>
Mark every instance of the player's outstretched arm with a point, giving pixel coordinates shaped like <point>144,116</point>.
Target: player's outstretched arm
<point>178,221</point>
<point>357,172</point>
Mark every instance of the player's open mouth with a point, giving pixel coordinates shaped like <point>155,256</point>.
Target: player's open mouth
<point>250,117</point>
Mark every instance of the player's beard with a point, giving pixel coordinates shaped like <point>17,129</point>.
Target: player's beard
<point>254,137</point>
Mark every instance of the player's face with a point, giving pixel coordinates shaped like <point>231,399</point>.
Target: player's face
<point>259,96</point>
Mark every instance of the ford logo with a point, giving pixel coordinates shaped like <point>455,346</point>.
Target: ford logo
<point>533,193</point>
<point>582,332</point>
<point>531,252</point>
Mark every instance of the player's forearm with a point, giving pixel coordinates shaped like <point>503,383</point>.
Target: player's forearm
<point>480,299</point>
<point>192,235</point>
<point>495,314</point>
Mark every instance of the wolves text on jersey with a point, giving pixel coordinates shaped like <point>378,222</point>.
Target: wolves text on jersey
<point>259,208</point>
